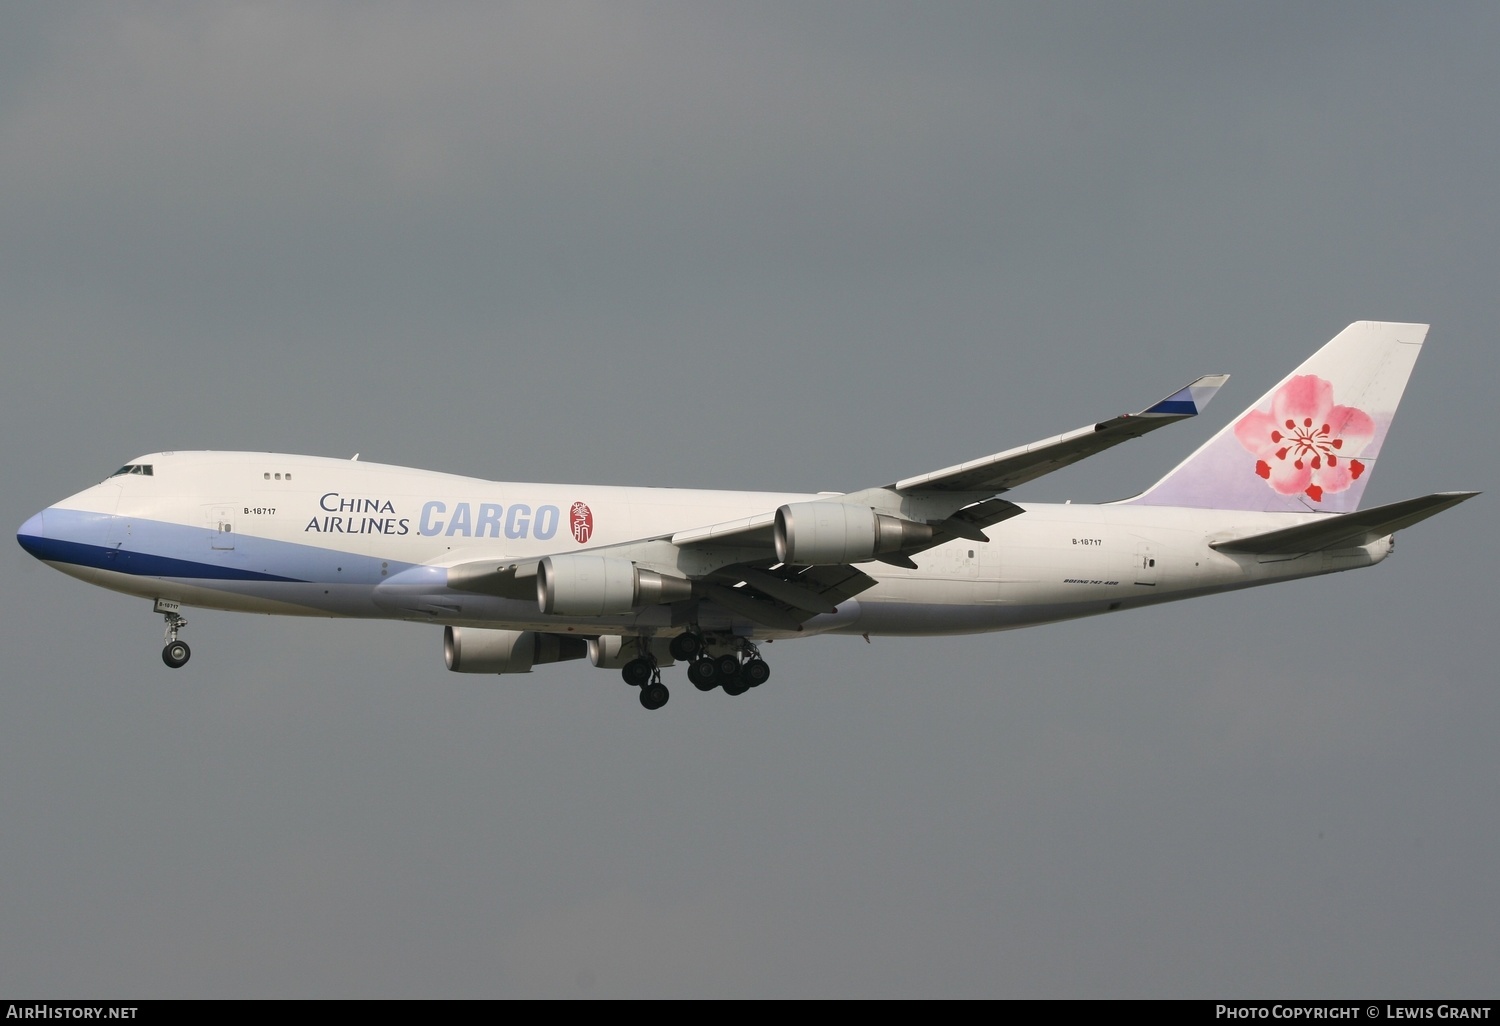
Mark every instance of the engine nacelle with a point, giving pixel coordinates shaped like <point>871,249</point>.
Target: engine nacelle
<point>585,585</point>
<point>836,532</point>
<point>481,650</point>
<point>611,652</point>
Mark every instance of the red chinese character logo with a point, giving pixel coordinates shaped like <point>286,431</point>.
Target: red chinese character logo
<point>582,520</point>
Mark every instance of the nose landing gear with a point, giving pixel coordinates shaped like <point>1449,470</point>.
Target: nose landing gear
<point>174,653</point>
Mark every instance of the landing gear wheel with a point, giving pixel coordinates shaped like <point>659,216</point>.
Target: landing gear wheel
<point>655,695</point>
<point>699,681</point>
<point>704,673</point>
<point>685,646</point>
<point>637,672</point>
<point>736,685</point>
<point>755,672</point>
<point>729,665</point>
<point>176,654</point>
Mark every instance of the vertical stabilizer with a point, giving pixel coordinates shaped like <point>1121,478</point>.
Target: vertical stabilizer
<point>1309,444</point>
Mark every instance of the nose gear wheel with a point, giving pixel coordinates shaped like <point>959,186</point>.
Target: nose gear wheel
<point>175,653</point>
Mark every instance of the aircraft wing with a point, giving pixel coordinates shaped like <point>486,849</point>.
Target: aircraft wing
<point>503,578</point>
<point>1005,470</point>
<point>785,596</point>
<point>956,493</point>
<point>1345,530</point>
<point>736,564</point>
<point>948,504</point>
<point>760,589</point>
<point>755,531</point>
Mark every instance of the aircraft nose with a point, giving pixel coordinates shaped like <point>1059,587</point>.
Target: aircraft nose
<point>33,534</point>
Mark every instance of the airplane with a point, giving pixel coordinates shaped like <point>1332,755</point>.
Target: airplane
<point>637,578</point>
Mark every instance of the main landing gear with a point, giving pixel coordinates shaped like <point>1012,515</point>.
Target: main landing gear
<point>737,667</point>
<point>175,653</point>
<point>642,672</point>
<point>736,672</point>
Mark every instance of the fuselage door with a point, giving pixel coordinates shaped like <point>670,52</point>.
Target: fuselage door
<point>964,558</point>
<point>221,523</point>
<point>1145,564</point>
<point>112,528</point>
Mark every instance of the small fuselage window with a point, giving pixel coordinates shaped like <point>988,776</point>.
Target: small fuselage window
<point>134,468</point>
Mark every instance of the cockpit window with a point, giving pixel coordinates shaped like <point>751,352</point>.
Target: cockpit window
<point>134,468</point>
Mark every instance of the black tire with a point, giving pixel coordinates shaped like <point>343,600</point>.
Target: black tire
<point>697,678</point>
<point>655,695</point>
<point>176,653</point>
<point>736,685</point>
<point>684,647</point>
<point>707,670</point>
<point>729,665</point>
<point>756,672</point>
<point>637,672</point>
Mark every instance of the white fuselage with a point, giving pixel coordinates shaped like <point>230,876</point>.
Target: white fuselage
<point>306,535</point>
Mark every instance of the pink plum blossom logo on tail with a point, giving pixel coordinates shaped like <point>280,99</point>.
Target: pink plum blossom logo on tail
<point>1306,444</point>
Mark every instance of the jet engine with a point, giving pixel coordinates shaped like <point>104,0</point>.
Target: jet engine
<point>482,650</point>
<point>836,532</point>
<point>611,652</point>
<point>585,585</point>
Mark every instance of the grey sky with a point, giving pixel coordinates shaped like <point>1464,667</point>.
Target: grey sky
<point>783,246</point>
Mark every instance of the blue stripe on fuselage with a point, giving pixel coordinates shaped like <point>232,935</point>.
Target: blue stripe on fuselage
<point>140,547</point>
<point>142,564</point>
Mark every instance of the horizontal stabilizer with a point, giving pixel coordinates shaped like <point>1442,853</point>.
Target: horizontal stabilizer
<point>1346,530</point>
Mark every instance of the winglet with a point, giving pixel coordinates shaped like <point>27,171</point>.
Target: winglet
<point>1189,401</point>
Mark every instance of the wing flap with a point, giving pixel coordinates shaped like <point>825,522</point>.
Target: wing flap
<point>786,596</point>
<point>1345,530</point>
<point>968,523</point>
<point>737,600</point>
<point>835,583</point>
<point>791,593</point>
